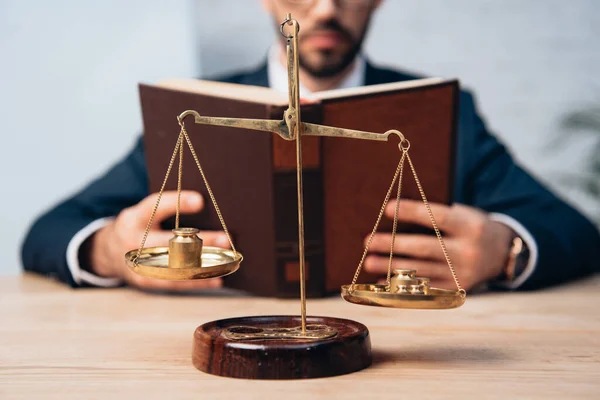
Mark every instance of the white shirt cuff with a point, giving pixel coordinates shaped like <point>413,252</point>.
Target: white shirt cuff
<point>529,241</point>
<point>80,275</point>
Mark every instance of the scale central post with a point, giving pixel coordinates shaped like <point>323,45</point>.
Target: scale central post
<point>293,121</point>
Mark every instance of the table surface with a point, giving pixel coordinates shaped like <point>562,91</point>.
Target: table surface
<point>91,343</point>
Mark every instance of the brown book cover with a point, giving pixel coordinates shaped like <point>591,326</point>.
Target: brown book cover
<point>253,174</point>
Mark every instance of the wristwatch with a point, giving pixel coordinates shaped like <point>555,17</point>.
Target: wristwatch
<point>518,258</point>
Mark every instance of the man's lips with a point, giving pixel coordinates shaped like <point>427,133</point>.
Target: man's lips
<point>324,40</point>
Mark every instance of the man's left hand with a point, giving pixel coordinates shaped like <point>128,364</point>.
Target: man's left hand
<point>478,246</point>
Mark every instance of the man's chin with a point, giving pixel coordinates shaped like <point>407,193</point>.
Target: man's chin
<point>325,70</point>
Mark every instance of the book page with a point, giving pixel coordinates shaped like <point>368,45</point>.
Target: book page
<point>371,89</point>
<point>263,95</point>
<point>253,94</point>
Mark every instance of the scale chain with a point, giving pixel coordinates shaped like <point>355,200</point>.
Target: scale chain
<point>179,176</point>
<point>160,193</point>
<point>404,146</point>
<point>179,149</point>
<point>394,228</point>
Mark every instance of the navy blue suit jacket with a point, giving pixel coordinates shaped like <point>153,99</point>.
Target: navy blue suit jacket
<point>486,177</point>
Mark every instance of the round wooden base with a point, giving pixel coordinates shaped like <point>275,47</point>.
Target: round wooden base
<point>348,351</point>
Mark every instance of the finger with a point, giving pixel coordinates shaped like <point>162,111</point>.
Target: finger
<point>415,212</point>
<point>419,246</point>
<point>307,100</point>
<point>214,238</point>
<point>144,282</point>
<point>425,269</point>
<point>190,202</point>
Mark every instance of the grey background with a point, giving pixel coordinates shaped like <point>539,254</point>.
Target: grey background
<point>68,95</point>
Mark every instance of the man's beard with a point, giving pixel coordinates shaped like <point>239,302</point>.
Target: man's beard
<point>328,70</point>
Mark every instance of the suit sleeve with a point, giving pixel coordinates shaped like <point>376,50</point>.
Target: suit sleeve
<point>45,245</point>
<point>568,244</point>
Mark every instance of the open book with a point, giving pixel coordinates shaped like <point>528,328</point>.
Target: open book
<point>253,174</point>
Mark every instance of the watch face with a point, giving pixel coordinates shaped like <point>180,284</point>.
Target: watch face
<point>518,259</point>
<point>522,259</point>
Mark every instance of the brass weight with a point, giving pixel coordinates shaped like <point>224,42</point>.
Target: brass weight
<point>406,281</point>
<point>185,249</point>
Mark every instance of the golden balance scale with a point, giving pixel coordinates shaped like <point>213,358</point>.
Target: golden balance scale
<point>286,347</point>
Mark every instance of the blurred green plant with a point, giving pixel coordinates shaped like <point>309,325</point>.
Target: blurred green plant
<point>584,121</point>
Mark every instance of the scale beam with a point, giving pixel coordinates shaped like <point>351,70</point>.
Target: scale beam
<point>281,128</point>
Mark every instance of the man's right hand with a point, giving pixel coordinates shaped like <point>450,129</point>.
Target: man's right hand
<point>109,244</point>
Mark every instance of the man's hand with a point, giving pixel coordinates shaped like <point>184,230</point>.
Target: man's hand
<point>125,233</point>
<point>478,247</point>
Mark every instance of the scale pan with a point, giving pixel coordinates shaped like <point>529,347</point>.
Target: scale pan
<point>154,263</point>
<point>376,295</point>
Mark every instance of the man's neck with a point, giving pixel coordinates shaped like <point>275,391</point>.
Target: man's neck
<point>315,84</point>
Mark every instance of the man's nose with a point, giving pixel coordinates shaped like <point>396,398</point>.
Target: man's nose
<point>324,9</point>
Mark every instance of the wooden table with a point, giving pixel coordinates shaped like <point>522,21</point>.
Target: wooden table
<point>58,342</point>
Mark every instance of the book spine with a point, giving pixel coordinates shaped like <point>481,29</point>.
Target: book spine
<point>285,202</point>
